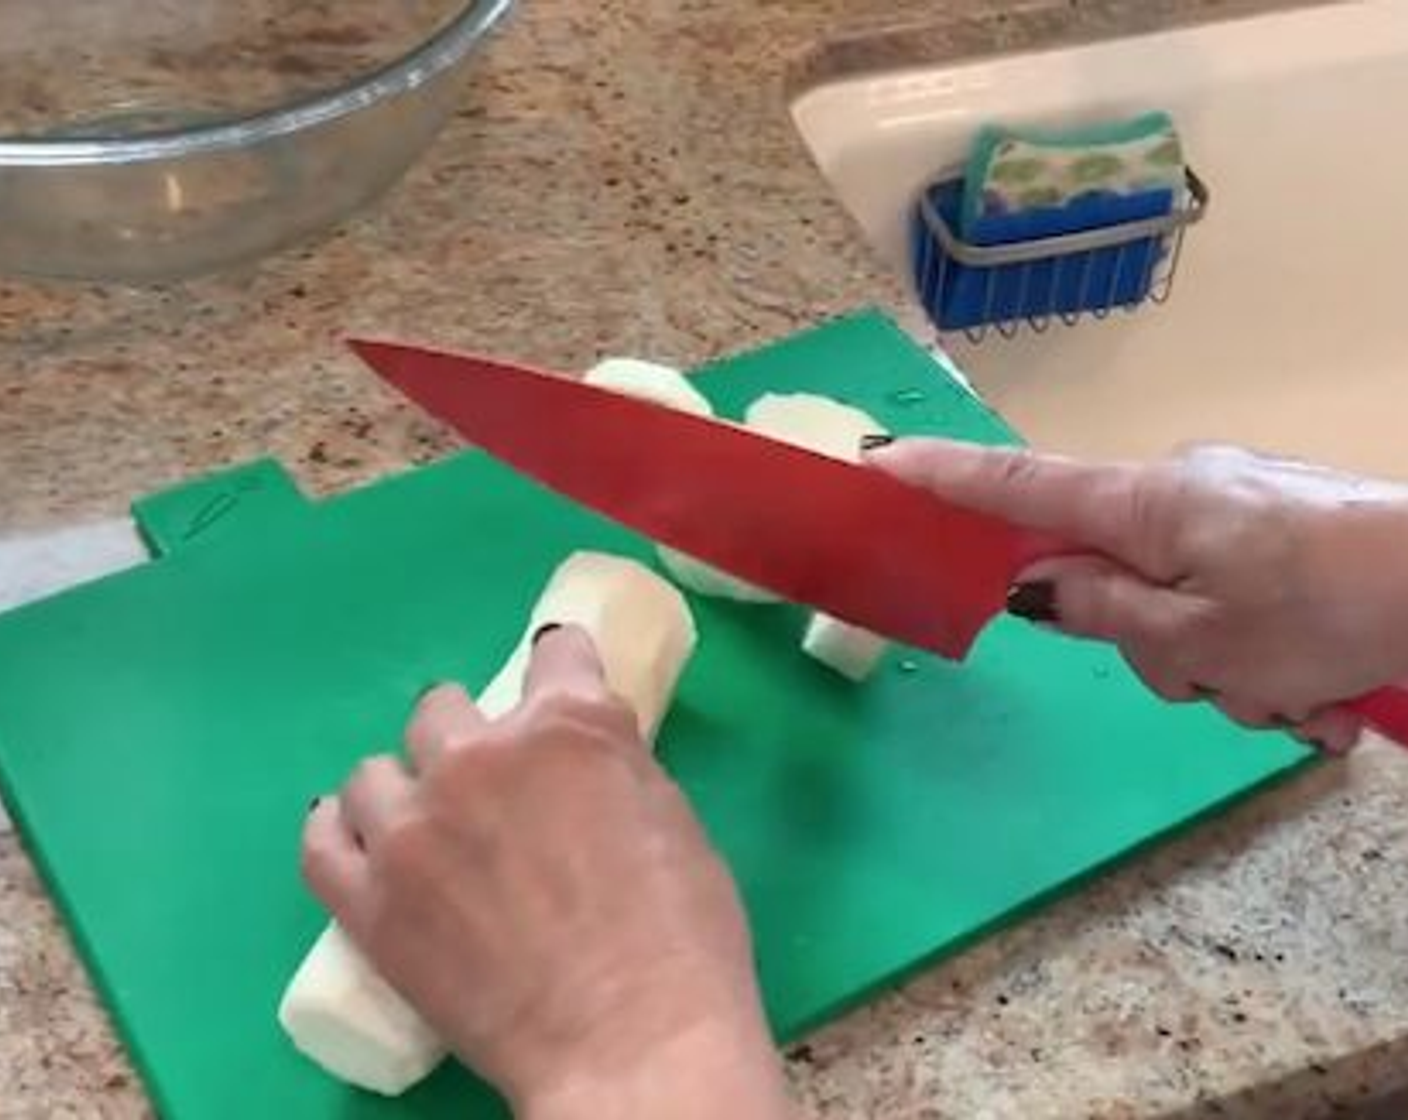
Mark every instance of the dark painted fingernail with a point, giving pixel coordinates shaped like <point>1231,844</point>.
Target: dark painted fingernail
<point>314,803</point>
<point>544,630</point>
<point>1034,601</point>
<point>875,441</point>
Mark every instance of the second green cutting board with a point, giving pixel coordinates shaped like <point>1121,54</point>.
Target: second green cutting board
<point>162,731</point>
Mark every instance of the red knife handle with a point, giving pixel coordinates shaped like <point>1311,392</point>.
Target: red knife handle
<point>1386,711</point>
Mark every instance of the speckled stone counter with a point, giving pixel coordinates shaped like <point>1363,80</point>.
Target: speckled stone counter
<point>624,178</point>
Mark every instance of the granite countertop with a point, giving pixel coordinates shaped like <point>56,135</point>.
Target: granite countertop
<point>624,179</point>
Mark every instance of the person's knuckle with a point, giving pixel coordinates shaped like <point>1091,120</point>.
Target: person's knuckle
<point>424,723</point>
<point>457,774</point>
<point>1014,469</point>
<point>402,850</point>
<point>1100,608</point>
<point>585,709</point>
<point>441,741</point>
<point>367,772</point>
<point>1182,631</point>
<point>1144,501</point>
<point>1228,510</point>
<point>566,706</point>
<point>1202,531</point>
<point>1147,495</point>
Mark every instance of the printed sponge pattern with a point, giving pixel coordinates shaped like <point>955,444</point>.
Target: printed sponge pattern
<point>1027,174</point>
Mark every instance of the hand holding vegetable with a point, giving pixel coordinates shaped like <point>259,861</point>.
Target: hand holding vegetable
<point>539,890</point>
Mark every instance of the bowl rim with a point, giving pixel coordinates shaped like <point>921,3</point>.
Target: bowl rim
<point>436,54</point>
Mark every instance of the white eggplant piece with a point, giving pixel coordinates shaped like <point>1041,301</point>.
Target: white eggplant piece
<point>850,650</point>
<point>829,428</point>
<point>340,1013</point>
<point>647,381</point>
<point>814,422</point>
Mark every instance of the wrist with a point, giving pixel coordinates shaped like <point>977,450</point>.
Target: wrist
<point>717,1068</point>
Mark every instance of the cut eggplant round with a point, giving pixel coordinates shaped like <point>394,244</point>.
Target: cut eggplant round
<point>833,429</point>
<point>814,422</point>
<point>647,381</point>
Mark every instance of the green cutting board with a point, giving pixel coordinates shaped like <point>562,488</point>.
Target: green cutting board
<point>162,731</point>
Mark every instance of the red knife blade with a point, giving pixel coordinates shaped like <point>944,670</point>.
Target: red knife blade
<point>841,538</point>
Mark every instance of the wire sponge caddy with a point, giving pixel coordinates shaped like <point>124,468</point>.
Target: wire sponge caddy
<point>1113,257</point>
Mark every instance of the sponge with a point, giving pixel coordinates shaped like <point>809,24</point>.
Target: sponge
<point>1013,171</point>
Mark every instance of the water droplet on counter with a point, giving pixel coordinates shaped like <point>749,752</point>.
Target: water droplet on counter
<point>908,396</point>
<point>909,666</point>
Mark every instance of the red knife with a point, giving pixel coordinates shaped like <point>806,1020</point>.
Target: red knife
<point>842,538</point>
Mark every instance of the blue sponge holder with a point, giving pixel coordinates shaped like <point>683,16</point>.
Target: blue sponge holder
<point>1086,258</point>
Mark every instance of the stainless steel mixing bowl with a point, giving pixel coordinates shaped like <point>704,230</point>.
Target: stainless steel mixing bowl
<point>146,140</point>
